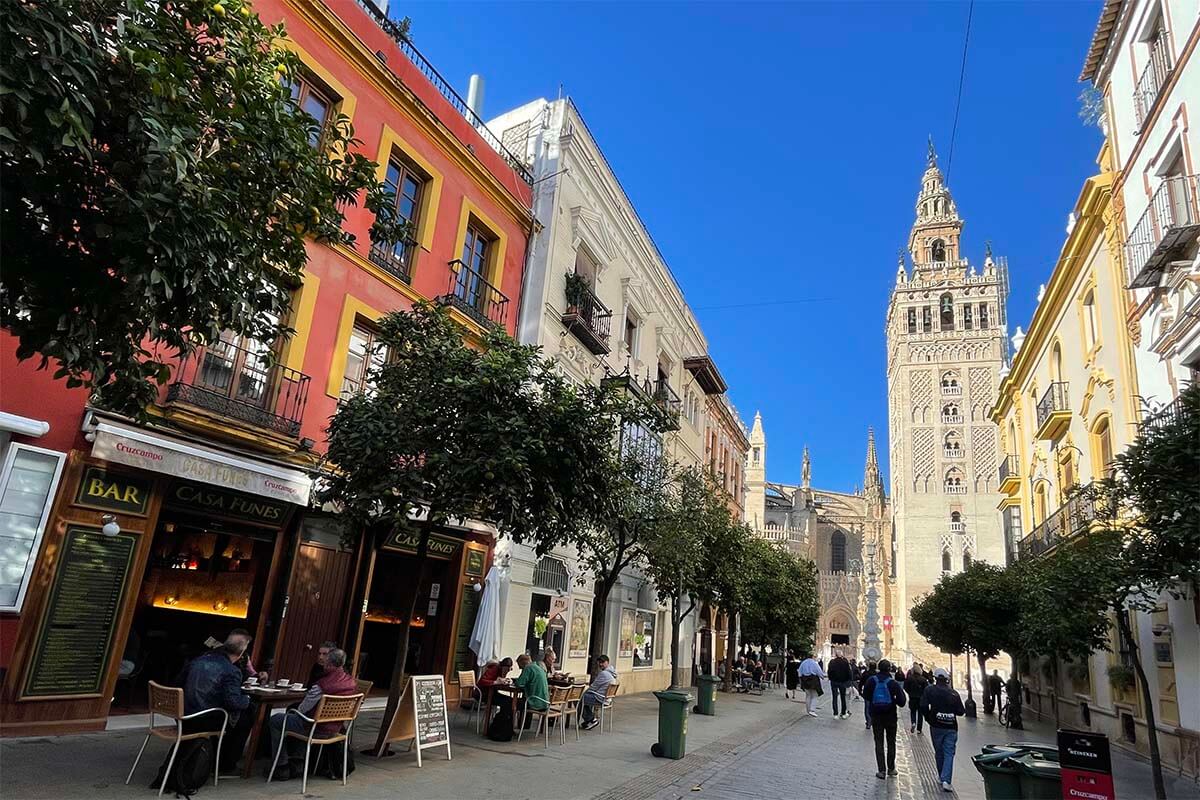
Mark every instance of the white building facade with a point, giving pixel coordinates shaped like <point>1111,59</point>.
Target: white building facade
<point>601,301</point>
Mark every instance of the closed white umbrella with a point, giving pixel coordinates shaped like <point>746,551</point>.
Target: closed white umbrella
<point>485,635</point>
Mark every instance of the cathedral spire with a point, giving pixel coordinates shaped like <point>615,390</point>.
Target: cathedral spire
<point>931,158</point>
<point>872,483</point>
<point>933,241</point>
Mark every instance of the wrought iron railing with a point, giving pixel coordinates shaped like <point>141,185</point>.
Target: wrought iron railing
<point>470,292</point>
<point>1172,210</point>
<point>955,488</point>
<point>1054,399</point>
<point>243,384</point>
<point>952,452</point>
<point>1073,518</point>
<point>395,258</point>
<point>1168,415</point>
<point>958,527</point>
<point>951,390</point>
<point>1153,77</point>
<point>952,419</point>
<point>666,398</point>
<point>445,89</point>
<point>1008,468</point>
<point>584,306</point>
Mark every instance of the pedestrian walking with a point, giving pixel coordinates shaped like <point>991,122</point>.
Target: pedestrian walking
<point>941,706</point>
<point>995,688</point>
<point>884,695</point>
<point>791,675</point>
<point>840,677</point>
<point>810,681</point>
<point>914,687</point>
<point>863,677</point>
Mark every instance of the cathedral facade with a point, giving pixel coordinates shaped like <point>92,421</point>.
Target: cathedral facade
<point>945,351</point>
<point>848,537</point>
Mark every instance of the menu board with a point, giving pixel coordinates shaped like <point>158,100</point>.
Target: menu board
<point>421,719</point>
<point>75,640</point>
<point>468,609</point>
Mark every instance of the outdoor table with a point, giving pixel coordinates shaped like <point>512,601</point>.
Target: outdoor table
<point>512,691</point>
<point>267,699</point>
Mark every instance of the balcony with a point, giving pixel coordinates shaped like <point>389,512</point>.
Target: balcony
<point>658,393</point>
<point>666,399</point>
<point>1165,417</point>
<point>951,390</point>
<point>474,296</point>
<point>1165,228</point>
<point>1053,412</point>
<point>1010,475</point>
<point>586,316</point>
<point>237,383</point>
<point>952,452</point>
<point>958,527</point>
<point>1073,518</point>
<point>1153,78</point>
<point>954,488</point>
<point>952,419</point>
<point>396,259</point>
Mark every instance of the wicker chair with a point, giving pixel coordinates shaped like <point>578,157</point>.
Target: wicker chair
<point>469,694</point>
<point>168,702</point>
<point>330,708</point>
<point>555,709</point>
<point>574,705</point>
<point>606,708</point>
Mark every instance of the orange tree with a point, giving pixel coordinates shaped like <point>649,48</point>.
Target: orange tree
<point>151,153</point>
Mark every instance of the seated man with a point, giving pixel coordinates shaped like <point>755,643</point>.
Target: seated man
<point>319,666</point>
<point>594,696</point>
<point>211,681</point>
<point>337,682</point>
<point>532,681</point>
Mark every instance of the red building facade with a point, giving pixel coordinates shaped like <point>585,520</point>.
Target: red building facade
<point>212,498</point>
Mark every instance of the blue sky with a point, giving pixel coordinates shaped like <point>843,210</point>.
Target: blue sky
<point>775,150</point>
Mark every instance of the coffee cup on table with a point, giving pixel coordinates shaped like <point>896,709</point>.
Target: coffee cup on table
<point>297,686</point>
<point>252,681</point>
<point>283,683</point>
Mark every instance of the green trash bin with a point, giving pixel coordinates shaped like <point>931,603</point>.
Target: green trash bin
<point>708,696</point>
<point>1016,748</point>
<point>1001,778</point>
<point>672,724</point>
<point>1041,778</point>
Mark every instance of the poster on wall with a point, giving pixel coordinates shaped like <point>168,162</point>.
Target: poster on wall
<point>625,645</point>
<point>581,624</point>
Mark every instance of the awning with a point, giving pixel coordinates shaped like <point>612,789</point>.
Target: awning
<point>15,423</point>
<point>155,452</point>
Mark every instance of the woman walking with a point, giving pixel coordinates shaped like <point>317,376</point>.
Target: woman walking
<point>791,675</point>
<point>811,675</point>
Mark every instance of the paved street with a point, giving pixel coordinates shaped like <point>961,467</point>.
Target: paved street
<point>757,747</point>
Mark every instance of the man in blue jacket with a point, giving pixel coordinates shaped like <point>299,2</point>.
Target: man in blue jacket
<point>941,706</point>
<point>883,694</point>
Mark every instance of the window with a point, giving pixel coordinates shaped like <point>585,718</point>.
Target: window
<point>926,319</point>
<point>983,316</point>
<point>27,483</point>
<point>938,250</point>
<point>837,552</point>
<point>551,574</point>
<point>314,102</point>
<point>947,313</point>
<point>912,320</point>
<point>1056,360</point>
<point>946,567</point>
<point>967,317</point>
<point>1067,472</point>
<point>406,187</point>
<point>1039,504</point>
<point>476,249</point>
<point>757,454</point>
<point>950,413</point>
<point>1090,332</point>
<point>1103,453</point>
<point>956,516</point>
<point>365,355</point>
<point>966,559</point>
<point>631,332</point>
<point>1013,532</point>
<point>643,639</point>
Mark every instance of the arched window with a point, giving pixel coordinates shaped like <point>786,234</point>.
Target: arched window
<point>1056,362</point>
<point>1012,438</point>
<point>966,559</point>
<point>837,552</point>
<point>952,444</point>
<point>938,250</point>
<point>949,379</point>
<point>947,311</point>
<point>1102,436</point>
<point>954,481</point>
<point>1039,503</point>
<point>946,561</point>
<point>550,573</point>
<point>950,412</point>
<point>956,516</point>
<point>1090,324</point>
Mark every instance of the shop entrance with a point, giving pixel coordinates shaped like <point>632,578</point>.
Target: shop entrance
<point>547,626</point>
<point>203,579</point>
<point>429,639</point>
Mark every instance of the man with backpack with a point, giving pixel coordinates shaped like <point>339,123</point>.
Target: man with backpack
<point>883,695</point>
<point>941,706</point>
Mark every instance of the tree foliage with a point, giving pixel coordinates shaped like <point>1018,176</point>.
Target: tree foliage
<point>974,609</point>
<point>158,184</point>
<point>783,596</point>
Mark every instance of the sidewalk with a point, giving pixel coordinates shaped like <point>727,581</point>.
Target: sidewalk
<point>93,766</point>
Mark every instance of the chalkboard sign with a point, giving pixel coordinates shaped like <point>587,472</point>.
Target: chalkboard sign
<point>421,719</point>
<point>468,609</point>
<point>75,641</point>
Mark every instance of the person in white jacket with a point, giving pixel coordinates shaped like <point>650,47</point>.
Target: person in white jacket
<point>811,676</point>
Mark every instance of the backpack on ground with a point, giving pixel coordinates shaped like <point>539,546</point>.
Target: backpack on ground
<point>881,696</point>
<point>192,768</point>
<point>500,729</point>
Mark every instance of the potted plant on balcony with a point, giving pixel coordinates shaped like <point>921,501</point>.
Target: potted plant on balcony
<point>1121,677</point>
<point>577,292</point>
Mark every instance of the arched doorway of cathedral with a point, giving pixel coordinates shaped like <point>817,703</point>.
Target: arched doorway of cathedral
<point>839,631</point>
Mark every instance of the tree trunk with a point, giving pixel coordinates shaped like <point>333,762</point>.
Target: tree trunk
<point>988,700</point>
<point>409,603</point>
<point>676,624</point>
<point>599,616</point>
<point>1160,791</point>
<point>1054,689</point>
<point>730,644</point>
<point>967,660</point>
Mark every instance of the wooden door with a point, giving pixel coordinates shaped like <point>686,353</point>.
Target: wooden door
<point>316,598</point>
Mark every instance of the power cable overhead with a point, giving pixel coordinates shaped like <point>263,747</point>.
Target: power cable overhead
<point>962,73</point>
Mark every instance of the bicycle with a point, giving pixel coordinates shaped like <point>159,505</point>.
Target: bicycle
<point>1002,714</point>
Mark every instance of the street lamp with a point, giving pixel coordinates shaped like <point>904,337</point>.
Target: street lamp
<point>871,649</point>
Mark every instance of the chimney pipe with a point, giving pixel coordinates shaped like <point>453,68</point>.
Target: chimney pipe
<point>475,96</point>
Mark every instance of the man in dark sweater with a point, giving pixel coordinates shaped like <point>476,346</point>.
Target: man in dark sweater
<point>839,678</point>
<point>914,685</point>
<point>883,695</point>
<point>941,706</point>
